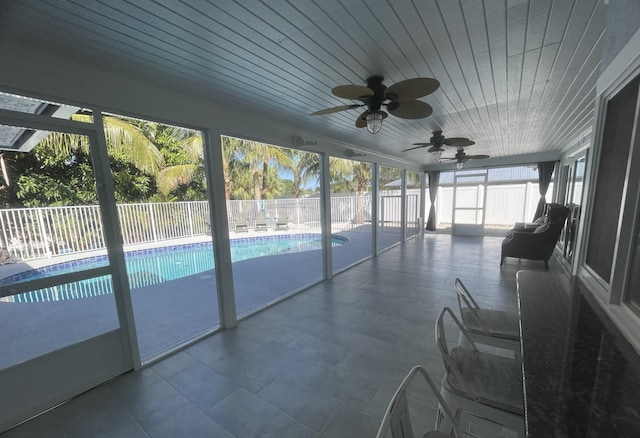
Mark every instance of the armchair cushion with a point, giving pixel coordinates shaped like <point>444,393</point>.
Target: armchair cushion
<point>541,229</point>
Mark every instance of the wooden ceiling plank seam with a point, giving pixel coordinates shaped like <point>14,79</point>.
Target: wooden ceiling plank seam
<point>160,50</point>
<point>465,110</point>
<point>554,64</point>
<point>582,125</point>
<point>537,23</point>
<point>305,78</point>
<point>186,72</point>
<point>498,10</point>
<point>324,58</point>
<point>563,61</point>
<point>483,32</point>
<point>529,69</point>
<point>389,43</point>
<point>547,57</point>
<point>408,15</point>
<point>380,62</point>
<point>410,35</point>
<point>457,55</point>
<point>268,80</point>
<point>593,49</point>
<point>583,92</point>
<point>569,133</point>
<point>391,20</point>
<point>340,22</point>
<point>448,104</point>
<point>518,119</point>
<point>328,43</point>
<point>538,43</point>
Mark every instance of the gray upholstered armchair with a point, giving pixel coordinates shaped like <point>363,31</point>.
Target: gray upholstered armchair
<point>536,243</point>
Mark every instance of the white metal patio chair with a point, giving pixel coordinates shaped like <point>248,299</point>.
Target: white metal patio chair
<point>397,420</point>
<point>497,328</point>
<point>482,384</point>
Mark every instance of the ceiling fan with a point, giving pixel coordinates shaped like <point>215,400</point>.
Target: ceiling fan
<point>460,158</point>
<point>438,140</point>
<point>399,98</point>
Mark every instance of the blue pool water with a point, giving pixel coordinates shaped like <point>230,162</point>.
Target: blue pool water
<point>152,266</point>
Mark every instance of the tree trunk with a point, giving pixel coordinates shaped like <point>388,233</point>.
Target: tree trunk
<point>227,180</point>
<point>257,193</point>
<point>265,178</point>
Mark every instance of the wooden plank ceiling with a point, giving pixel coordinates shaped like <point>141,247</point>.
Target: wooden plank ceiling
<point>516,76</point>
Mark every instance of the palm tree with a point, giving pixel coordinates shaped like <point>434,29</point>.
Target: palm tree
<point>124,141</point>
<point>174,176</point>
<point>260,156</point>
<point>351,176</point>
<point>232,151</point>
<point>303,166</point>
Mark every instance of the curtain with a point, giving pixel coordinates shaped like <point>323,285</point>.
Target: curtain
<point>434,182</point>
<point>545,170</point>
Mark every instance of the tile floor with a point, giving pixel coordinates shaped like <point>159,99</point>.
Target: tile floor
<point>322,363</point>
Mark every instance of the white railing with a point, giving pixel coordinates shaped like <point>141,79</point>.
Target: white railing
<point>32,233</point>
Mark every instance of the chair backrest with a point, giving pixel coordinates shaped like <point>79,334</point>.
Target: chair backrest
<point>261,217</point>
<point>241,218</point>
<point>282,217</point>
<point>441,341</point>
<point>397,419</point>
<point>470,303</point>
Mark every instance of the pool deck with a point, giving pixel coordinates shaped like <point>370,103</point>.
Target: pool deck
<point>173,312</point>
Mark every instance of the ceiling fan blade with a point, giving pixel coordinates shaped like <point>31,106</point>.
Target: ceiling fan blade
<point>423,145</point>
<point>410,109</point>
<point>476,157</point>
<point>335,109</point>
<point>458,142</point>
<point>448,159</point>
<point>360,121</point>
<point>353,92</point>
<point>412,89</point>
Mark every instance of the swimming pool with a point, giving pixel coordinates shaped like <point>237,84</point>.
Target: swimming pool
<point>152,266</point>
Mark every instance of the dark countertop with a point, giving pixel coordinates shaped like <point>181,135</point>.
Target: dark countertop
<point>581,376</point>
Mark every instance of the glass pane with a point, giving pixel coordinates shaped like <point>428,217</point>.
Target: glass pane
<point>160,190</point>
<point>469,197</point>
<point>55,286</point>
<point>389,207</point>
<point>274,218</point>
<point>350,187</point>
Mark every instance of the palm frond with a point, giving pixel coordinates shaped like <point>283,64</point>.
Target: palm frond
<point>172,177</point>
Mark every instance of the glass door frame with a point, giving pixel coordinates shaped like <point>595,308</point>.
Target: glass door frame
<point>469,229</point>
<point>73,369</point>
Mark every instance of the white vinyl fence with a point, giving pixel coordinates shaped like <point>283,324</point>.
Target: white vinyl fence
<point>506,203</point>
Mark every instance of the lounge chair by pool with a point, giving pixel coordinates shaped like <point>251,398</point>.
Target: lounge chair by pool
<point>282,222</point>
<point>261,221</point>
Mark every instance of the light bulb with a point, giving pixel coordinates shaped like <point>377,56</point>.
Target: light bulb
<point>437,155</point>
<point>459,165</point>
<point>374,121</point>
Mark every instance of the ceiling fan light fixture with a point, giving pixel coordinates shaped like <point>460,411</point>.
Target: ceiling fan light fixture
<point>374,121</point>
<point>437,155</point>
<point>459,165</point>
